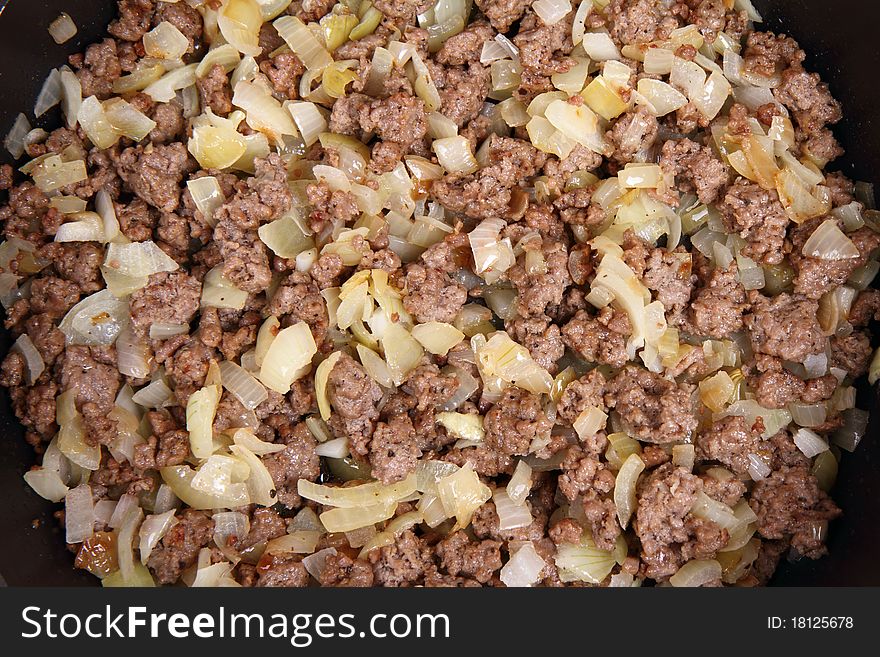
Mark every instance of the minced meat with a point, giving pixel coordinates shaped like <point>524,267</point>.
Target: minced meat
<point>370,163</point>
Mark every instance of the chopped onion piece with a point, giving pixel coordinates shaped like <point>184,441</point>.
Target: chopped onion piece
<point>578,123</point>
<point>71,96</point>
<point>165,89</point>
<point>599,46</point>
<point>165,499</point>
<point>132,355</point>
<point>270,9</point>
<point>15,140</point>
<point>239,22</point>
<point>154,395</point>
<point>454,155</point>
<point>524,568</point>
<point>165,41</point>
<point>207,196</point>
<point>551,11</point>
<point>683,456</point>
<point>855,424</point>
<point>308,119</point>
<point>502,357</point>
<point>96,320</point>
<point>862,277</point>
<point>709,509</point>
<point>663,98</point>
<point>107,212</point>
<point>625,487</point>
<point>462,493</point>
<point>288,358</point>
<point>809,442</point>
<point>68,204</point>
<point>226,56</point>
<point>62,29</point>
<point>545,137</point>
<point>265,336</point>
<point>622,580</point>
<point>297,542</point>
<point>464,426</point>
<point>751,275</point>
<point>493,51</point>
<point>334,449</point>
<point>211,575</point>
<point>758,469</point>
<point>33,360</point>
<point>79,514</point>
<point>230,524</point>
<point>244,387</point>
<point>321,374</point>
<point>125,542</point>
<point>589,422</point>
<point>773,420</point>
<point>828,242</point>
<point>510,514</point>
<point>127,120</point>
<point>492,255</point>
<point>303,43</point>
<point>578,28</point>
<point>201,407</point>
<point>402,352</point>
<point>658,61</point>
<point>808,415</point>
<point>363,495</point>
<point>437,337</point>
<point>123,509</point>
<point>286,236</point>
<point>218,292</point>
<point>246,438</point>
<point>87,227</point>
<point>315,563</point>
<point>264,113</point>
<point>834,309</point>
<point>716,391</point>
<point>46,483</point>
<point>180,479</point>
<point>52,174</point>
<point>141,78</point>
<point>520,483</point>
<point>585,562</point>
<point>216,142</point>
<point>138,259</point>
<point>153,530</point>
<point>222,475</point>
<point>698,572</point>
<point>640,176</point>
<point>261,488</point>
<point>375,366</point>
<point>424,86</point>
<point>749,8</point>
<point>429,472</point>
<point>799,202</point>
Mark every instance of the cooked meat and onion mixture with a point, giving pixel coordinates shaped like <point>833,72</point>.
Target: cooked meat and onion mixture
<point>376,293</point>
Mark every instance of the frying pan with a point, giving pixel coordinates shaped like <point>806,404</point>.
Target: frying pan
<point>841,40</point>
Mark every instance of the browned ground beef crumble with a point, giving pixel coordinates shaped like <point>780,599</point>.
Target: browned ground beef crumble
<point>550,206</point>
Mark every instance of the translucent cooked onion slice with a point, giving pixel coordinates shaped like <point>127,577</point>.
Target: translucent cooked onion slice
<point>62,29</point>
<point>524,568</point>
<point>239,22</point>
<point>828,242</point>
<point>165,41</point>
<point>288,358</point>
